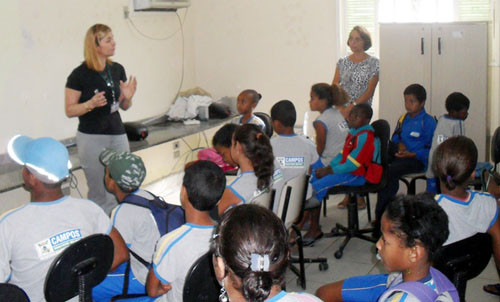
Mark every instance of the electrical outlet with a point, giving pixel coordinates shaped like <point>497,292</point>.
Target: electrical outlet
<point>176,145</point>
<point>125,12</point>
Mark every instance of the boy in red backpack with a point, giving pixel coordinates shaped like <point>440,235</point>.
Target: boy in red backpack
<point>349,167</point>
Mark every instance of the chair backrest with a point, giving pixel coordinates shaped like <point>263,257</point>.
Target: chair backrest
<point>264,199</point>
<point>267,120</point>
<point>464,259</point>
<point>292,199</point>
<point>86,262</point>
<point>200,283</point>
<point>383,132</point>
<point>12,293</point>
<point>495,147</point>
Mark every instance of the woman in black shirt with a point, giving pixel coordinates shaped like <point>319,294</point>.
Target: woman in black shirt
<point>94,92</point>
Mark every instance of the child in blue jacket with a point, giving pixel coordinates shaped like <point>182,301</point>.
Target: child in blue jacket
<point>413,138</point>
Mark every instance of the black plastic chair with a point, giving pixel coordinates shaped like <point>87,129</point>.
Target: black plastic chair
<point>267,120</point>
<point>79,268</point>
<point>464,260</point>
<point>12,293</point>
<point>201,285</point>
<point>382,131</point>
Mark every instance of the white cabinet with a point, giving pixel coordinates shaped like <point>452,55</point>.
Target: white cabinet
<point>442,57</point>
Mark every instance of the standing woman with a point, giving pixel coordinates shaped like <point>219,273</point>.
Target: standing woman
<point>94,92</point>
<point>358,72</point>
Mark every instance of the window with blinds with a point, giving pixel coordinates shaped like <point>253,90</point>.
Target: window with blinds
<point>473,10</point>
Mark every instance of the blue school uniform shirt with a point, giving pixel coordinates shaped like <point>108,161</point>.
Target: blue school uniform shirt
<point>416,134</point>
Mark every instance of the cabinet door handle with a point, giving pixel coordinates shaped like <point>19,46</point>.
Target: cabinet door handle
<point>439,46</point>
<point>421,46</point>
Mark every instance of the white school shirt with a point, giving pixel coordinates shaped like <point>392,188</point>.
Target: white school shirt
<point>139,231</point>
<point>254,120</point>
<point>32,236</point>
<point>466,218</point>
<point>176,252</point>
<point>336,131</point>
<point>295,153</point>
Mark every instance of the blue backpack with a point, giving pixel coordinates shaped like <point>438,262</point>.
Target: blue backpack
<point>423,292</point>
<point>168,217</point>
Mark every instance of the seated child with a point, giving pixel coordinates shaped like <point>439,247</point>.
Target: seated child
<point>251,256</point>
<point>413,138</point>
<point>348,168</point>
<point>124,175</point>
<point>223,140</point>
<point>202,187</point>
<point>245,104</point>
<point>413,229</point>
<point>452,124</point>
<point>295,153</point>
<point>251,151</point>
<point>469,212</point>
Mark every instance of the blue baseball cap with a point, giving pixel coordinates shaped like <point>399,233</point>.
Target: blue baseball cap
<point>45,157</point>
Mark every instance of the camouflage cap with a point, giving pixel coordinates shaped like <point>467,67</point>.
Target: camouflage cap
<point>125,168</point>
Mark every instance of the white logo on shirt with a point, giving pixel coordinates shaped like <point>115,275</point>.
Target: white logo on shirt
<point>343,126</point>
<point>441,138</point>
<point>291,161</point>
<point>53,245</point>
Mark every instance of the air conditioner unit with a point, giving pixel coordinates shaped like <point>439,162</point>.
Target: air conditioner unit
<point>160,5</point>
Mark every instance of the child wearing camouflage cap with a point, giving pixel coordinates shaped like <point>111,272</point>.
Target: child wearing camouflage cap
<point>124,174</point>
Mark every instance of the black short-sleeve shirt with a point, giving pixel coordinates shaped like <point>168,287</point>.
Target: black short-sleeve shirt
<point>87,81</point>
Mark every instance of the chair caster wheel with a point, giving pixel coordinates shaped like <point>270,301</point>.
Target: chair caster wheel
<point>323,266</point>
<point>335,231</point>
<point>338,254</point>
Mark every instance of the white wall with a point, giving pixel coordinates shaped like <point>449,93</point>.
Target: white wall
<point>280,48</point>
<point>42,42</point>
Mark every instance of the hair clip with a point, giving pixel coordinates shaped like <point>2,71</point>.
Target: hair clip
<point>449,179</point>
<point>214,236</point>
<point>259,263</point>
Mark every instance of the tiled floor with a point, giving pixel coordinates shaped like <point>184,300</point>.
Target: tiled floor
<point>359,259</point>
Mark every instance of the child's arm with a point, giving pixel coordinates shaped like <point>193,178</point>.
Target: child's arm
<point>360,153</point>
<point>228,199</point>
<point>120,253</point>
<point>154,287</point>
<point>320,137</point>
<point>422,154</point>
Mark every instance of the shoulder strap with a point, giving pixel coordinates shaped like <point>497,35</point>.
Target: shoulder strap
<point>443,284</point>
<point>421,291</point>
<point>136,200</point>
<point>399,125</point>
<point>140,259</point>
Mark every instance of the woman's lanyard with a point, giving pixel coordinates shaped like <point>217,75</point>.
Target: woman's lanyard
<point>106,76</point>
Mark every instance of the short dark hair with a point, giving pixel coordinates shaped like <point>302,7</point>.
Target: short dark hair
<point>254,95</point>
<point>363,110</point>
<point>418,91</point>
<point>454,161</point>
<point>284,112</point>
<point>457,101</point>
<point>224,136</point>
<point>251,229</point>
<point>419,219</point>
<point>204,182</point>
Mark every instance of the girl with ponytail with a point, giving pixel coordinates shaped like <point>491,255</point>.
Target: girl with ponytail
<point>469,212</point>
<point>251,150</point>
<point>251,256</point>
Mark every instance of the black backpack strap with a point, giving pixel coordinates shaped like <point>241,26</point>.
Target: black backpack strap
<point>140,259</point>
<point>125,279</point>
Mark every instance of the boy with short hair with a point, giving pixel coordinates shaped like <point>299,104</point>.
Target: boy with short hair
<point>448,125</point>
<point>124,174</point>
<point>202,187</point>
<point>295,153</point>
<point>348,168</point>
<point>413,138</point>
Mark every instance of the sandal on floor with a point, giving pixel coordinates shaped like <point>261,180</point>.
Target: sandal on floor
<point>341,205</point>
<point>493,289</point>
<point>309,241</point>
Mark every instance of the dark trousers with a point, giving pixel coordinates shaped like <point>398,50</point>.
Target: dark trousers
<point>397,168</point>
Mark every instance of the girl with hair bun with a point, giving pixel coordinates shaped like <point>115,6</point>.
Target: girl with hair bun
<point>469,212</point>
<point>251,150</point>
<point>251,256</point>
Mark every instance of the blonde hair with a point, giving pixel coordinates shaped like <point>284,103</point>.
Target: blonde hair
<point>94,34</point>
<point>364,34</point>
